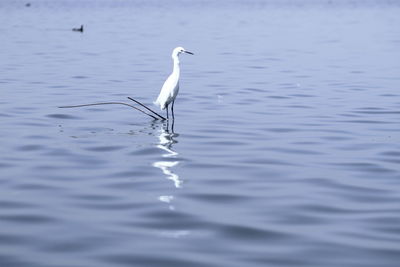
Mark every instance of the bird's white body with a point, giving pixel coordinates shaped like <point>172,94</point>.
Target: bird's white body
<point>170,89</point>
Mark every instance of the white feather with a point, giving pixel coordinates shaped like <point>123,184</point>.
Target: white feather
<point>170,89</point>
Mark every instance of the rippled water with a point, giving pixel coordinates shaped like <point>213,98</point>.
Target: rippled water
<point>286,149</point>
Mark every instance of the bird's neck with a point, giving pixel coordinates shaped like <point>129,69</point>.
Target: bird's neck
<point>176,65</point>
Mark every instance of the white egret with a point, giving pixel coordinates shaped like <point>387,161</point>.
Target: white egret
<point>167,95</point>
<point>170,89</point>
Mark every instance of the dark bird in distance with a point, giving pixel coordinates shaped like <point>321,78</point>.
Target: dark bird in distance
<point>78,29</point>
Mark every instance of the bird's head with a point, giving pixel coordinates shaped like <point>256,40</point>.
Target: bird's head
<point>179,50</point>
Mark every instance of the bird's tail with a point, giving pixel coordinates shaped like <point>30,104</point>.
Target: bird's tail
<point>157,103</point>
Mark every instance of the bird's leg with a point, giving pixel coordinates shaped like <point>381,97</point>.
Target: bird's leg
<point>172,110</point>
<point>167,118</point>
<point>173,116</point>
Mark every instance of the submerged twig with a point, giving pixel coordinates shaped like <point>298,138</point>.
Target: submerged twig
<point>110,103</point>
<point>149,109</point>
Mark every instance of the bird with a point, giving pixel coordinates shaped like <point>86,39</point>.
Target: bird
<point>78,29</point>
<point>167,95</point>
<point>170,89</point>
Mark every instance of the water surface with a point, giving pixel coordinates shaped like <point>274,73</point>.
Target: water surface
<point>286,143</point>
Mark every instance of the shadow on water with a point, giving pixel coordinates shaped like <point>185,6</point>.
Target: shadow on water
<point>169,160</point>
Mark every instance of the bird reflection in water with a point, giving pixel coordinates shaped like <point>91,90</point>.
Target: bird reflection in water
<point>166,141</point>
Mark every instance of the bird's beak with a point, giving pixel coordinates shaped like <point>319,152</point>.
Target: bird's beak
<point>187,52</point>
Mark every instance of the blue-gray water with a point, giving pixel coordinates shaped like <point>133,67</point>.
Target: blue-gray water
<point>286,149</point>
